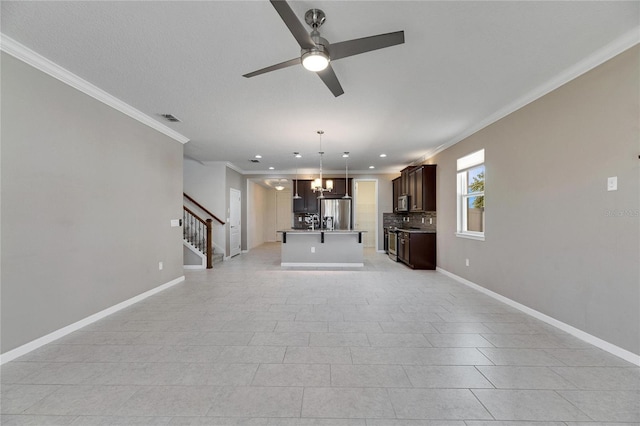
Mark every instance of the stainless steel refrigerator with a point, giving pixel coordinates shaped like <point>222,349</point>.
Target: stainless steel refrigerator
<point>336,213</point>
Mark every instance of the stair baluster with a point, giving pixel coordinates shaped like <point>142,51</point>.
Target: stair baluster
<point>197,232</point>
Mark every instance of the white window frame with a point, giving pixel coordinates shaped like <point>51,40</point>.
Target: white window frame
<point>465,163</point>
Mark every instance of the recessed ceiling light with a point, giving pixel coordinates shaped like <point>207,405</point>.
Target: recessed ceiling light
<point>383,155</point>
<point>258,156</point>
<point>372,167</point>
<point>271,168</point>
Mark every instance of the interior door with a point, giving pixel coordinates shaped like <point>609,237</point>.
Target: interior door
<point>235,224</point>
<point>366,208</point>
<point>283,212</point>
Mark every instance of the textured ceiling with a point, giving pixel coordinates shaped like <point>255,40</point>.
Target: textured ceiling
<point>462,63</point>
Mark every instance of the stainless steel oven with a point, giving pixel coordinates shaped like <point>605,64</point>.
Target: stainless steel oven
<point>393,245</point>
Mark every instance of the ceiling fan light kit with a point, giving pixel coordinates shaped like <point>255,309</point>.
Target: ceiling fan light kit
<point>316,51</point>
<point>315,60</point>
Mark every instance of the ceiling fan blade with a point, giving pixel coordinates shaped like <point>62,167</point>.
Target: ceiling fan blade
<point>365,44</point>
<point>285,64</point>
<point>328,76</point>
<point>293,23</point>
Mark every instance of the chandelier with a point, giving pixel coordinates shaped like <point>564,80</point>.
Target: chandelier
<point>316,185</point>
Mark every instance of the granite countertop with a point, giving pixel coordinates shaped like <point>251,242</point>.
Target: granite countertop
<point>317,231</point>
<point>413,231</point>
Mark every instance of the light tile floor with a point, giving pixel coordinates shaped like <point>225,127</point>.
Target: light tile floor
<point>250,343</point>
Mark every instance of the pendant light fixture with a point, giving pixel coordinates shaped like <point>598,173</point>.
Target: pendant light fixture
<point>346,173</point>
<point>316,185</point>
<point>296,196</point>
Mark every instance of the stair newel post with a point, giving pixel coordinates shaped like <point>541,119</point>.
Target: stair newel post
<point>209,245</point>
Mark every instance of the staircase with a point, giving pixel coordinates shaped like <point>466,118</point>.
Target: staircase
<point>196,235</point>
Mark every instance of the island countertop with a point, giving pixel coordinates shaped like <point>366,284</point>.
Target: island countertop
<point>318,231</point>
<point>322,248</point>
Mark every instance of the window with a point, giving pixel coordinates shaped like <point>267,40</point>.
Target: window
<point>471,177</point>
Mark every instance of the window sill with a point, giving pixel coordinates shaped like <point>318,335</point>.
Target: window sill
<point>477,237</point>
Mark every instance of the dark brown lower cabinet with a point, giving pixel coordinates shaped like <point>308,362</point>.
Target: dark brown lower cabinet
<point>417,250</point>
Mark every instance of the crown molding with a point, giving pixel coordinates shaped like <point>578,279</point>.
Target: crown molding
<point>600,56</point>
<point>28,56</point>
<point>234,167</point>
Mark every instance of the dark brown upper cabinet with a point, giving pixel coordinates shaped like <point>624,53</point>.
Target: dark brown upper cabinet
<point>397,191</point>
<point>404,180</point>
<point>308,203</point>
<point>422,188</point>
<point>339,188</point>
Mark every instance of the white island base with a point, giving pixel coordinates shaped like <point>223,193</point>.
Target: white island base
<point>322,248</point>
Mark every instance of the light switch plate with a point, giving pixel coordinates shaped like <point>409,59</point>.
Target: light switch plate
<point>612,183</point>
<point>175,223</point>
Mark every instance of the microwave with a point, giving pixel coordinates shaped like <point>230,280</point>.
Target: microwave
<point>403,203</point>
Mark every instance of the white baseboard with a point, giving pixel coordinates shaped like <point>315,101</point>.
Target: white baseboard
<point>35,344</point>
<point>199,267</point>
<point>582,335</point>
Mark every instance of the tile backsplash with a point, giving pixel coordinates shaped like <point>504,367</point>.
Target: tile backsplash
<point>410,220</point>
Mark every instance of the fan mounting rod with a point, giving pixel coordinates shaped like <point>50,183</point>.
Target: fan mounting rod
<point>314,18</point>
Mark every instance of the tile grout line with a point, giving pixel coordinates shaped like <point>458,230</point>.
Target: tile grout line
<point>480,402</point>
<point>572,404</point>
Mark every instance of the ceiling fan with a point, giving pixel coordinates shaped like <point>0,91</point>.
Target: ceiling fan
<point>316,52</point>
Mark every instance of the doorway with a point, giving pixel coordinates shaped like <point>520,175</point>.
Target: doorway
<point>283,212</point>
<point>366,210</point>
<point>235,224</point>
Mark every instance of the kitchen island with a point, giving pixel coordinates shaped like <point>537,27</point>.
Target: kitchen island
<point>322,248</point>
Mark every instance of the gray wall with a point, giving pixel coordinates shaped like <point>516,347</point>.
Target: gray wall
<point>206,184</point>
<point>190,258</point>
<point>87,198</point>
<point>556,240</point>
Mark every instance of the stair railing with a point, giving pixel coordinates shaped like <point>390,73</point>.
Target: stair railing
<point>197,231</point>
<point>204,209</point>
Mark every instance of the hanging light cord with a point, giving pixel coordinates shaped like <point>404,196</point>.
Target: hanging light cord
<point>295,156</point>
<point>346,179</point>
<point>320,132</point>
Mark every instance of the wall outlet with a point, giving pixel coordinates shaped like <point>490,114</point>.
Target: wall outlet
<point>612,183</point>
<point>313,249</point>
<point>175,223</point>
<point>466,262</point>
<point>160,266</point>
